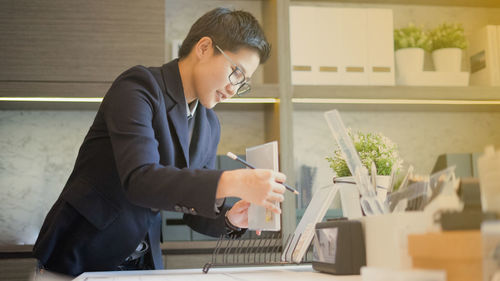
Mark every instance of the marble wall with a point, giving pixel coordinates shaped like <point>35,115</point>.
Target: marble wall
<point>37,152</point>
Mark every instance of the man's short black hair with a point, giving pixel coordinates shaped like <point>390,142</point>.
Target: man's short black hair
<point>230,30</point>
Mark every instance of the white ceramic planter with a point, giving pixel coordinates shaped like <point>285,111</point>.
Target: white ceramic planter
<point>382,184</point>
<point>447,59</point>
<point>409,60</point>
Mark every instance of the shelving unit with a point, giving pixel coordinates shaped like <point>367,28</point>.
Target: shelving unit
<point>361,98</point>
<point>54,96</point>
<point>397,98</point>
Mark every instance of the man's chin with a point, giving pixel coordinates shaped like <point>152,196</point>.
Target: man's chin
<point>209,104</point>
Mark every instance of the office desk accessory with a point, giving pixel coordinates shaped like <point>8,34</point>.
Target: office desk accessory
<point>298,244</point>
<point>464,220</point>
<point>349,197</point>
<point>457,252</point>
<point>252,251</point>
<point>489,178</point>
<point>267,249</point>
<point>370,204</point>
<point>490,234</point>
<point>435,192</point>
<point>390,274</point>
<point>339,247</point>
<point>386,237</point>
<point>472,215</point>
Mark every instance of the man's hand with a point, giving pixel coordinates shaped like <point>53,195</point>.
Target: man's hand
<point>259,186</point>
<point>238,215</point>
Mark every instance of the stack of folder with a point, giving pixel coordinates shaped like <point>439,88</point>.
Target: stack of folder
<point>341,46</point>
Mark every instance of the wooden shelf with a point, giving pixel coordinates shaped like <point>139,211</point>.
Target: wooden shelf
<point>96,90</point>
<point>482,93</point>
<point>463,3</point>
<point>397,98</point>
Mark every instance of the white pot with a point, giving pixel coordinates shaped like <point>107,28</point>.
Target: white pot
<point>410,60</point>
<point>447,59</point>
<point>382,181</point>
<point>382,184</point>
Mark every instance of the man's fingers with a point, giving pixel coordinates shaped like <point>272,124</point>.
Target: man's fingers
<point>276,197</point>
<point>279,188</point>
<point>270,206</point>
<point>279,177</point>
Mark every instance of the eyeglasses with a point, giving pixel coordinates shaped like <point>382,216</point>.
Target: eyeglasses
<point>237,77</point>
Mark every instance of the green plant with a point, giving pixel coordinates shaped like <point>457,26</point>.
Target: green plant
<point>448,35</point>
<point>371,147</point>
<point>411,37</point>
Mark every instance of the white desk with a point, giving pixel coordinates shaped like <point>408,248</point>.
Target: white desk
<point>274,273</point>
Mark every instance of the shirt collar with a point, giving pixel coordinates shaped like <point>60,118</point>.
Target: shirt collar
<point>191,108</point>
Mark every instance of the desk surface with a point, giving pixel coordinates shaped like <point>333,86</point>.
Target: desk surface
<point>274,273</point>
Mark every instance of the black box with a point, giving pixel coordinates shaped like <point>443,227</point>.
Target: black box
<point>339,247</point>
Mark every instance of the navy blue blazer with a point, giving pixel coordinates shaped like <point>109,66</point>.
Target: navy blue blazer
<point>135,158</point>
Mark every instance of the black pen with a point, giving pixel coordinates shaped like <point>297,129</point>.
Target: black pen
<point>234,157</point>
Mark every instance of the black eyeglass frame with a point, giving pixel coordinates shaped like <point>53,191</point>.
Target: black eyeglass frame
<point>245,87</point>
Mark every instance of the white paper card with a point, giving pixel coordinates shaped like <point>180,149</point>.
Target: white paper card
<point>264,156</point>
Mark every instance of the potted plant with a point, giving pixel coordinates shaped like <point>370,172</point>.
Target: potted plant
<point>371,147</point>
<point>410,44</point>
<point>448,41</point>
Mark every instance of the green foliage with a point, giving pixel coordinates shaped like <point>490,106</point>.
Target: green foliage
<point>448,35</point>
<point>411,37</point>
<point>371,147</point>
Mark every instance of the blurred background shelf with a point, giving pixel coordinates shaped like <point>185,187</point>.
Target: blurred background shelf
<point>71,92</point>
<point>397,98</point>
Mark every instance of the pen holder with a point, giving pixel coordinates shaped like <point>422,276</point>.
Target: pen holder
<point>386,237</point>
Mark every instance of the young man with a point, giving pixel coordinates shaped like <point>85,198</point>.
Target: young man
<point>151,147</point>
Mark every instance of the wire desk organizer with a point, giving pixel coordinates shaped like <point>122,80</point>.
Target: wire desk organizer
<point>266,250</point>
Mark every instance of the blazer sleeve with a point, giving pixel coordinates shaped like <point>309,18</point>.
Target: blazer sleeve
<point>214,227</point>
<point>128,111</point>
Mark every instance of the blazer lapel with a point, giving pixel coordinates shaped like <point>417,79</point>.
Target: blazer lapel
<point>177,112</point>
<point>201,137</point>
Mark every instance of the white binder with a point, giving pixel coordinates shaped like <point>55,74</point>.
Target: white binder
<point>380,38</point>
<point>353,40</point>
<point>326,49</point>
<point>302,42</point>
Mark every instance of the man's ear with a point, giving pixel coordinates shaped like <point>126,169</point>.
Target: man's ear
<point>204,47</point>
